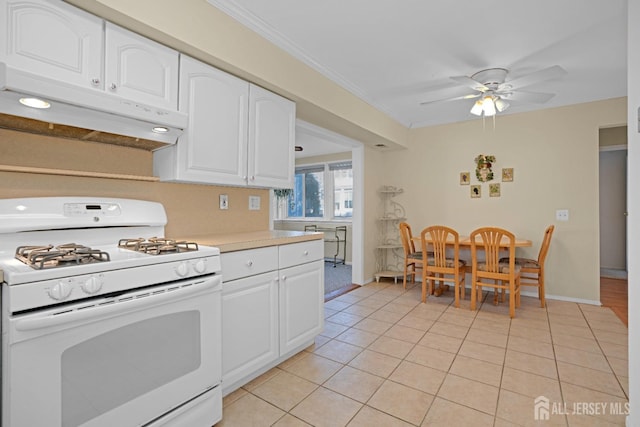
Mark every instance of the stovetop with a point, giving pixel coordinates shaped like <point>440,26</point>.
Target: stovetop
<point>16,272</point>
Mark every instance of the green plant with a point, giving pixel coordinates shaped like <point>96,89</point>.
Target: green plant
<point>282,193</point>
<point>483,159</point>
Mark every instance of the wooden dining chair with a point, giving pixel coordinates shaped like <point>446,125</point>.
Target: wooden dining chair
<point>491,272</point>
<point>412,258</point>
<point>533,270</point>
<point>437,266</point>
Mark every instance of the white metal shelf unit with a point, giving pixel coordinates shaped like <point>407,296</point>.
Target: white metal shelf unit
<point>389,254</point>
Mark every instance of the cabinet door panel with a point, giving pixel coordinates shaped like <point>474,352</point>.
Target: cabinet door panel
<point>140,69</point>
<point>301,308</point>
<point>214,150</point>
<point>271,139</point>
<point>249,325</point>
<point>52,39</point>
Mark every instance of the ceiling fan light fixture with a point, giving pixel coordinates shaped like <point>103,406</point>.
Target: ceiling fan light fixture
<point>501,105</point>
<point>488,106</point>
<point>477,108</point>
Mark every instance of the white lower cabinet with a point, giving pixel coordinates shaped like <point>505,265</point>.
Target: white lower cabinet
<point>272,307</point>
<point>301,317</point>
<point>249,325</point>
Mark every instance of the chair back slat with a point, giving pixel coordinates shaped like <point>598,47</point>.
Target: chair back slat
<point>407,239</point>
<point>436,241</point>
<point>439,237</point>
<point>490,272</point>
<point>492,239</point>
<point>544,248</point>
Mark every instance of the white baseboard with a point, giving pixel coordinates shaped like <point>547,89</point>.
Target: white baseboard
<point>534,294</point>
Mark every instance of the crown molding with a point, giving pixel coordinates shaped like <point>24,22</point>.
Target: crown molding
<point>262,28</point>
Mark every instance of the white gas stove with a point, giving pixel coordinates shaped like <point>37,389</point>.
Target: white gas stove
<point>92,282</point>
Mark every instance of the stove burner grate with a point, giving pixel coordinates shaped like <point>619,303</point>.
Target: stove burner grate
<point>157,245</point>
<point>43,257</point>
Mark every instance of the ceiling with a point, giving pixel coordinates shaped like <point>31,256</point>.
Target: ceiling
<point>397,54</point>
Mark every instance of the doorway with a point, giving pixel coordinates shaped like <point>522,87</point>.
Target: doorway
<point>613,220</point>
<point>318,146</point>
<point>613,202</point>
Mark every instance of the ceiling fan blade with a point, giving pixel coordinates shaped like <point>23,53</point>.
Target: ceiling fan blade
<point>469,82</point>
<point>533,97</point>
<point>533,78</point>
<point>470,96</point>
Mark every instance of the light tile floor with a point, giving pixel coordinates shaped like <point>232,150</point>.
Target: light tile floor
<point>385,359</point>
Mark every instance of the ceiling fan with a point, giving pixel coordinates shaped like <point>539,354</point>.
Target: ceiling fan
<point>495,92</point>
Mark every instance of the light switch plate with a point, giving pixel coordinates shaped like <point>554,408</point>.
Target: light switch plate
<point>224,201</point>
<point>562,215</point>
<point>254,203</point>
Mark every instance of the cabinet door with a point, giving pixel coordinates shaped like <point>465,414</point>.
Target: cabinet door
<point>52,39</point>
<point>214,147</point>
<point>271,139</point>
<point>140,69</point>
<point>249,325</point>
<point>301,304</point>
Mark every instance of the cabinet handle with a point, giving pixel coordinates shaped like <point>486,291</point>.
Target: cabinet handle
<point>306,253</point>
<point>95,82</point>
<point>113,86</point>
<point>249,263</point>
<point>284,278</point>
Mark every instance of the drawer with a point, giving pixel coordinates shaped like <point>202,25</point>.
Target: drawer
<point>300,253</point>
<point>248,263</point>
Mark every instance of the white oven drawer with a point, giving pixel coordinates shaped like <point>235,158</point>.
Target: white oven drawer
<point>117,361</point>
<point>300,253</point>
<point>248,263</point>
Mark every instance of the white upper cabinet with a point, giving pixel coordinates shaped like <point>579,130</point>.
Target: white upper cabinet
<point>213,149</point>
<point>62,43</point>
<point>238,134</point>
<point>52,39</point>
<point>272,120</point>
<point>140,69</point>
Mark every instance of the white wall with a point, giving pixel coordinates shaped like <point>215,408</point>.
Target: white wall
<point>633,207</point>
<point>554,154</point>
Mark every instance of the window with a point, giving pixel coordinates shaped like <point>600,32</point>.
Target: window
<point>342,176</point>
<point>322,191</point>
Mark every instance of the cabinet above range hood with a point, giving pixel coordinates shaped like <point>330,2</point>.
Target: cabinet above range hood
<point>84,113</point>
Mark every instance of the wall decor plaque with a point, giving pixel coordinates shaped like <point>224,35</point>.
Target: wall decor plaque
<point>484,163</point>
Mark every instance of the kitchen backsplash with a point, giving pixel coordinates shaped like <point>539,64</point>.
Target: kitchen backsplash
<point>192,209</point>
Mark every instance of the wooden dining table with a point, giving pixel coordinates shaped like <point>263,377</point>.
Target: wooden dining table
<point>465,242</point>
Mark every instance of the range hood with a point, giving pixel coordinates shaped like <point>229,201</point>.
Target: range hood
<point>85,108</point>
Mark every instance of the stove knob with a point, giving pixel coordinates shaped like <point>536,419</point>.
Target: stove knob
<point>200,266</point>
<point>182,269</point>
<point>92,285</point>
<point>60,291</point>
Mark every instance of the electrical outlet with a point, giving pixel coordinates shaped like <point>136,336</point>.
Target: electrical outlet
<point>224,201</point>
<point>254,203</point>
<point>562,215</point>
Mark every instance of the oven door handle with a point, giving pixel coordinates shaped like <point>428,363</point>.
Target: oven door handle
<point>126,302</point>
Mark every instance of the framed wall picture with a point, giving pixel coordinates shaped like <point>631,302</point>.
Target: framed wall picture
<point>465,178</point>
<point>494,190</point>
<point>476,191</point>
<point>507,174</point>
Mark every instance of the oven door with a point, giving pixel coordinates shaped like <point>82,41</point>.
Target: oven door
<point>118,361</point>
